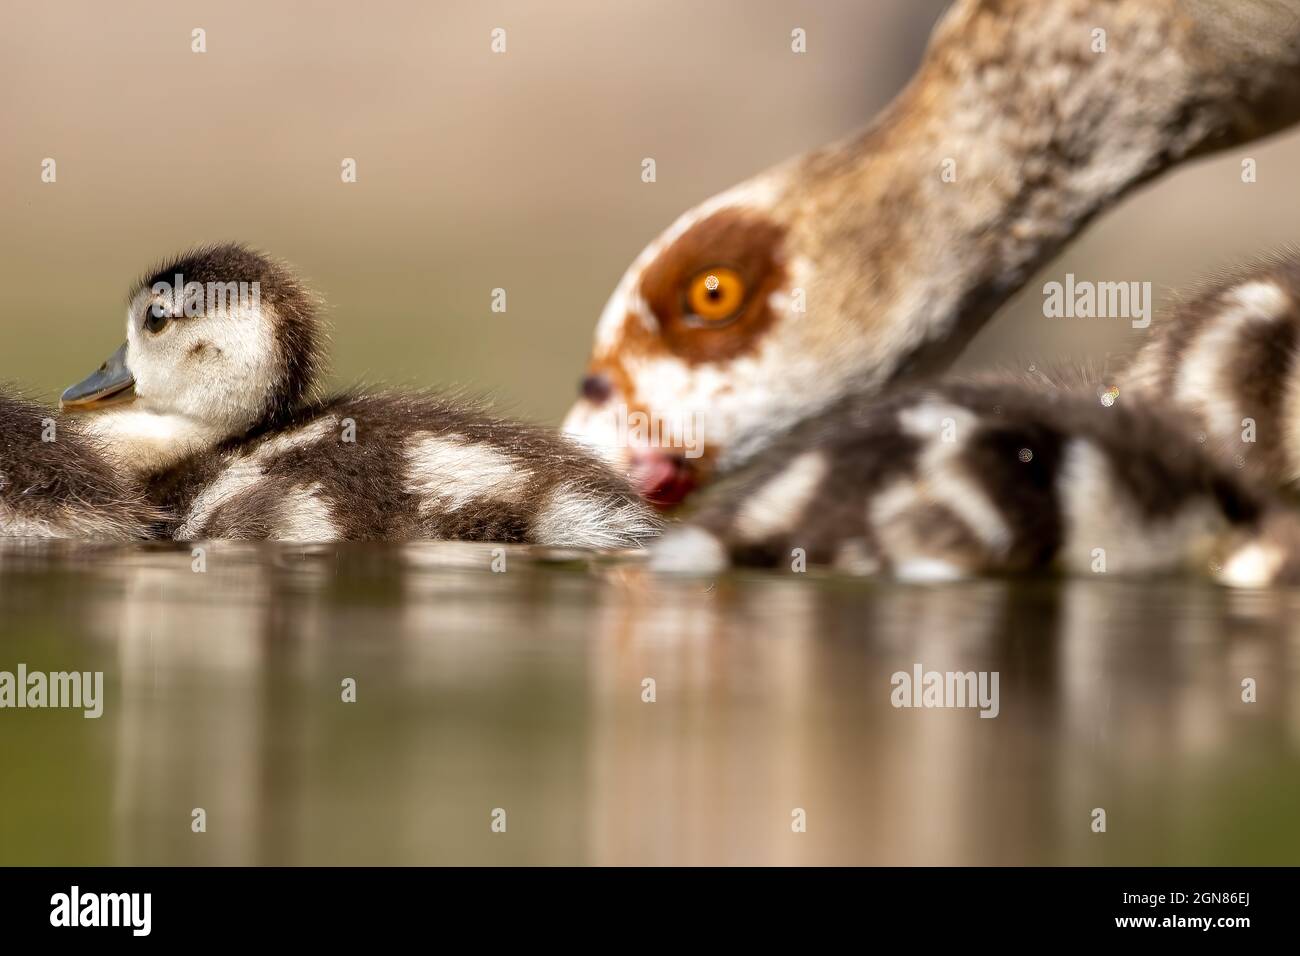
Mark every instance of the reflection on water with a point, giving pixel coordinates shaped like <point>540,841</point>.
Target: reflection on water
<point>523,691</point>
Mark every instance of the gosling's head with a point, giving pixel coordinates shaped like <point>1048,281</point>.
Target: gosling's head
<point>219,340</point>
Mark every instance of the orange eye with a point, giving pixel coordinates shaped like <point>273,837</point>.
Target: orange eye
<point>715,295</point>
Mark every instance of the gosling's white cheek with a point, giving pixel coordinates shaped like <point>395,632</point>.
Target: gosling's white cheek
<point>244,339</point>
<point>216,370</point>
<point>152,361</point>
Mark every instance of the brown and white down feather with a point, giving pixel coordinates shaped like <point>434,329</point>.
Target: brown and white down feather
<point>405,466</point>
<point>56,482</point>
<point>1227,361</point>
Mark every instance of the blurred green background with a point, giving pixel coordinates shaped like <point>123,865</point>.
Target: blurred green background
<point>476,170</point>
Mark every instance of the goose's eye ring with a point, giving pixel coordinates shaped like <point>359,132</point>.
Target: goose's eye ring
<point>155,320</point>
<point>715,295</point>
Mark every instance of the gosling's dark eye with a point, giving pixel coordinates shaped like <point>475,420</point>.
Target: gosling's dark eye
<point>155,320</point>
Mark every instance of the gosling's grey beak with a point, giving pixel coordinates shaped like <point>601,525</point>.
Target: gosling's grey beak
<point>111,382</point>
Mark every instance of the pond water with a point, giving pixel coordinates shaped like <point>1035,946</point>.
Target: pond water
<point>518,697</point>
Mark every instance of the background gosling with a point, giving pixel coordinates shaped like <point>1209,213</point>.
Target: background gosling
<point>57,482</point>
<point>956,479</point>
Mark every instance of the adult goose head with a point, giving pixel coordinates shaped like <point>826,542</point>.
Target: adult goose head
<point>873,261</point>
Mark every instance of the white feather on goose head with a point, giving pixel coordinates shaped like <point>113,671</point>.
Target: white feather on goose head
<point>221,340</point>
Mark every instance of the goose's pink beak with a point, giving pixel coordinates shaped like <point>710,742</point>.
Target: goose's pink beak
<point>662,478</point>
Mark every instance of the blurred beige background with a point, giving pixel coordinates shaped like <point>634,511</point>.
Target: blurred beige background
<point>476,170</point>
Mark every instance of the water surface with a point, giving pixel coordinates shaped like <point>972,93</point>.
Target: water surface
<point>523,691</point>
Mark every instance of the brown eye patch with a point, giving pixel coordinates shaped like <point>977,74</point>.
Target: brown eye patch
<point>741,253</point>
